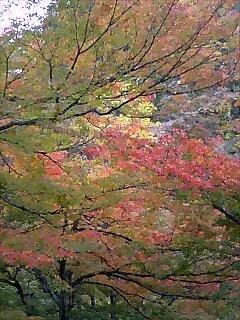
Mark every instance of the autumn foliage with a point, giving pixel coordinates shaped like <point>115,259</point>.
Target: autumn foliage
<point>102,215</point>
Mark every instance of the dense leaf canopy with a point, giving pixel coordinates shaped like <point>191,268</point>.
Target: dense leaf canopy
<point>103,216</point>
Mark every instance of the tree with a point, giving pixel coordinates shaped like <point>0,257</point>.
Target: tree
<point>98,213</point>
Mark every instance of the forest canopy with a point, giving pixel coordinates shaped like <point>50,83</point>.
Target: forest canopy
<point>107,213</point>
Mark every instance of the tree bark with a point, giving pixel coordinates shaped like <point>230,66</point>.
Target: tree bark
<point>63,308</point>
<point>113,301</point>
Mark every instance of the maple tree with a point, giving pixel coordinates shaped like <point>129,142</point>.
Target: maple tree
<point>99,217</point>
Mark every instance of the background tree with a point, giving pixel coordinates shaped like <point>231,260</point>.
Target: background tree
<point>97,213</point>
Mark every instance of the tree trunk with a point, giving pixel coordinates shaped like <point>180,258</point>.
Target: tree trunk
<point>63,308</point>
<point>93,301</point>
<point>64,295</point>
<point>113,301</point>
